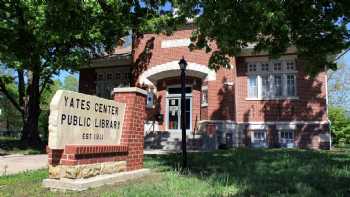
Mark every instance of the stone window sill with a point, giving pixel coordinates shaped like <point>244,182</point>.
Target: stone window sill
<point>273,99</point>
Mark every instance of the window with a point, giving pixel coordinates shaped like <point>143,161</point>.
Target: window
<point>291,85</point>
<point>100,77</point>
<point>290,65</point>
<point>109,76</point>
<point>286,138</point>
<point>258,138</point>
<point>126,76</point>
<point>277,66</point>
<point>265,86</point>
<point>252,67</point>
<point>108,79</point>
<point>264,67</point>
<point>150,100</point>
<point>252,86</point>
<point>204,96</point>
<point>275,80</point>
<point>178,90</point>
<point>277,85</point>
<point>117,76</point>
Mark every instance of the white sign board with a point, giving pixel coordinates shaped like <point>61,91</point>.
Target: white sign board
<point>175,43</point>
<point>80,119</point>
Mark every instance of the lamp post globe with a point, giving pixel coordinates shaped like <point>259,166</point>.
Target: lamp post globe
<point>183,65</point>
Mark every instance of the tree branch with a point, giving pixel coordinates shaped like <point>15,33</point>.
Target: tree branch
<point>8,95</point>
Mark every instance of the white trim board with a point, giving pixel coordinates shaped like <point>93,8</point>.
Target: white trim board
<point>171,69</point>
<point>129,89</point>
<point>264,123</point>
<point>286,122</point>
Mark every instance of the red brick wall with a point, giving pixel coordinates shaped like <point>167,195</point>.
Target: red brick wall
<point>221,97</point>
<point>133,127</point>
<point>311,105</point>
<point>77,155</point>
<point>305,136</point>
<point>162,55</point>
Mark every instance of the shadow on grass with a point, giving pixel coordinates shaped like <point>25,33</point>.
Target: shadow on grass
<point>272,172</point>
<point>10,145</point>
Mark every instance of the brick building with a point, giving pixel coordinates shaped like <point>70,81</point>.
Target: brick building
<point>258,102</point>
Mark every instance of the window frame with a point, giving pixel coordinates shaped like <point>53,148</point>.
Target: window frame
<point>264,143</point>
<point>286,144</point>
<point>295,85</point>
<point>256,89</point>
<point>107,79</point>
<point>204,101</point>
<point>259,73</point>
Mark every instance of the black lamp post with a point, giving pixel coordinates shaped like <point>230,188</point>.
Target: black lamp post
<point>183,65</point>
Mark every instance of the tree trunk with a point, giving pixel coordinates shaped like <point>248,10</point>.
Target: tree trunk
<point>30,133</point>
<point>21,87</point>
<point>21,92</point>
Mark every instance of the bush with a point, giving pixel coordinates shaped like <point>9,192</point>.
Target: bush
<point>340,125</point>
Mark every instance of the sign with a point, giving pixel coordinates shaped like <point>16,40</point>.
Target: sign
<point>175,43</point>
<point>80,119</point>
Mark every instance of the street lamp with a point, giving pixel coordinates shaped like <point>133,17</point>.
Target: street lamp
<point>183,65</point>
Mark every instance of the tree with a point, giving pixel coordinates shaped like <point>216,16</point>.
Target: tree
<point>70,83</point>
<point>45,100</point>
<point>339,86</point>
<point>10,118</point>
<point>40,38</point>
<point>340,125</point>
<point>316,28</point>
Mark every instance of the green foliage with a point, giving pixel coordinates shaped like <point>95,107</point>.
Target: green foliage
<point>340,125</point>
<point>316,28</point>
<point>10,118</point>
<point>40,38</point>
<point>46,97</point>
<point>71,83</point>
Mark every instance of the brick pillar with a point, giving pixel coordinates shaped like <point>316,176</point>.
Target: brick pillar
<point>133,127</point>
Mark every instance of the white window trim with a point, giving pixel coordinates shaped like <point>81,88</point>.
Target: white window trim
<point>284,72</point>
<point>289,145</point>
<point>204,104</point>
<point>169,96</point>
<point>286,84</point>
<point>264,145</point>
<point>286,127</point>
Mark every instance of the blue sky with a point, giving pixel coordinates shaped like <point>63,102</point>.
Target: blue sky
<point>345,59</point>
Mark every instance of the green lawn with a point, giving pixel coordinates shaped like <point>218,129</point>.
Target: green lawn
<point>237,172</point>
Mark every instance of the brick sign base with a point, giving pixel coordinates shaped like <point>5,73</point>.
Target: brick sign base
<point>89,161</point>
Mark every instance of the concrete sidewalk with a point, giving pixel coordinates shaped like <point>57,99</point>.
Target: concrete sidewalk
<point>12,164</point>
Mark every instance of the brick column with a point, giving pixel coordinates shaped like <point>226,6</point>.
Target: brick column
<point>133,127</point>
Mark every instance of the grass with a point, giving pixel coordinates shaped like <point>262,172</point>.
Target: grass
<point>11,145</point>
<point>237,172</point>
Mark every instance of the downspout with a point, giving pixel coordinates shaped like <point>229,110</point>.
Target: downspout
<point>327,102</point>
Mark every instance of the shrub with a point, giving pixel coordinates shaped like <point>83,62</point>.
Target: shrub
<point>340,125</point>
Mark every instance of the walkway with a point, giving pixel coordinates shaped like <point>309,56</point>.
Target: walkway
<point>12,164</point>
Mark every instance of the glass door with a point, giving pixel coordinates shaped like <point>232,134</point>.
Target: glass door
<point>174,113</point>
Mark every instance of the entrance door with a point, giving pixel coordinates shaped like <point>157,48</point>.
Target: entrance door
<point>174,113</point>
